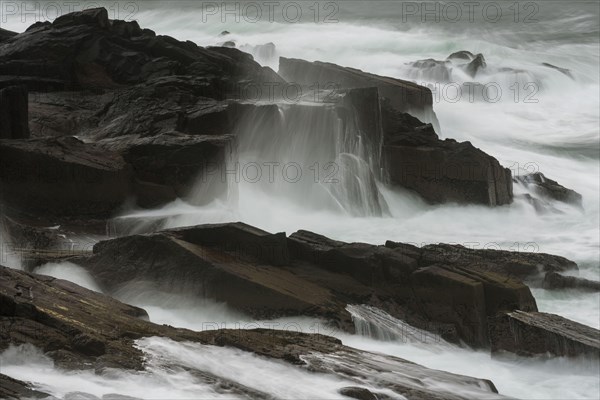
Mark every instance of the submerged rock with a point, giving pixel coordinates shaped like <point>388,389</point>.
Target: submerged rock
<point>563,71</point>
<point>534,333</point>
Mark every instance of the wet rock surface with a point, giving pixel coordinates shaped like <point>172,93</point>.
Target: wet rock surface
<point>450,290</point>
<point>554,280</point>
<point>441,171</point>
<point>115,85</point>
<point>81,329</point>
<point>549,189</point>
<point>533,333</point>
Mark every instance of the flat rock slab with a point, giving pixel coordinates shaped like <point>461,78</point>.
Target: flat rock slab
<point>535,333</point>
<point>81,329</point>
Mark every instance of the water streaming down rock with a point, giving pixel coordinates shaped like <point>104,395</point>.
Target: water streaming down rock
<point>314,154</point>
<point>374,323</point>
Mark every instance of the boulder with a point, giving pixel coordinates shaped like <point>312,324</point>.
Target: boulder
<point>535,333</point>
<point>82,329</point>
<point>478,63</point>
<point>553,281</point>
<point>62,177</point>
<point>14,117</point>
<point>549,189</point>
<point>440,171</point>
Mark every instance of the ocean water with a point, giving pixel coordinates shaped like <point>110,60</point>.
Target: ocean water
<point>534,118</point>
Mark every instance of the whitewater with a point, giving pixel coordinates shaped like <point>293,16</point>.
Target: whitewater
<point>552,128</point>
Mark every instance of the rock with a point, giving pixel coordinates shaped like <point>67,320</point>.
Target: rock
<point>404,96</point>
<point>93,16</point>
<point>357,393</point>
<point>554,281</point>
<point>269,276</point>
<point>86,50</point>
<point>62,315</point>
<point>13,389</point>
<point>534,333</point>
<point>229,43</point>
<point>213,262</point>
<point>265,54</point>
<point>168,166</point>
<point>5,35</point>
<point>14,113</point>
<point>540,206</point>
<point>430,70</point>
<point>563,71</point>
<point>525,263</point>
<point>461,55</point>
<point>441,171</point>
<point>62,177</point>
<point>476,65</point>
<point>550,189</point>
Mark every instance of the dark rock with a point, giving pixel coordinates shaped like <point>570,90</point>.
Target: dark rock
<point>554,281</point>
<point>62,315</point>
<point>14,113</point>
<point>540,206</point>
<point>94,16</point>
<point>39,25</point>
<point>13,389</point>
<point>308,274</point>
<point>86,50</point>
<point>5,35</point>
<point>211,261</point>
<point>550,189</point>
<point>461,55</point>
<point>476,65</point>
<point>357,393</point>
<point>534,333</point>
<point>431,70</point>
<point>563,71</point>
<point>62,176</point>
<point>229,43</point>
<point>440,171</point>
<point>169,165</point>
<point>525,263</point>
<point>404,96</point>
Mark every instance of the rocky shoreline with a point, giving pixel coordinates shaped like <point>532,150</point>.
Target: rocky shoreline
<point>98,115</point>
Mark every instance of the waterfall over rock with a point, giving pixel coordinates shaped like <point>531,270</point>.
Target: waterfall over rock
<point>314,154</point>
<point>375,323</point>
